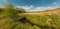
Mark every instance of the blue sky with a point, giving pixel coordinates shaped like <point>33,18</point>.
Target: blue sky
<point>33,5</point>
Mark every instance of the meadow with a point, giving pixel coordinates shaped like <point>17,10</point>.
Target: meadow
<point>14,18</point>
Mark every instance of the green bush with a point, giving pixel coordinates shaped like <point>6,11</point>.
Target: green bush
<point>10,11</point>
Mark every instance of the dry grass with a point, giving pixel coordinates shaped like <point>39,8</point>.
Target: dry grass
<point>49,12</point>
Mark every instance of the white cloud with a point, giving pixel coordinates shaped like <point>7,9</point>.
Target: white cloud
<point>54,2</point>
<point>25,7</point>
<point>29,8</point>
<point>5,1</point>
<point>44,8</point>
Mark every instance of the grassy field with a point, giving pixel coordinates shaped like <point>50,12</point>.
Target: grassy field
<point>45,21</point>
<point>31,21</point>
<point>12,18</point>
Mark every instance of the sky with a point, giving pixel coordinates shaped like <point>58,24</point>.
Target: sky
<point>33,5</point>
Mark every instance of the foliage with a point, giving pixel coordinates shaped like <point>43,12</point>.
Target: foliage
<point>10,11</point>
<point>20,10</point>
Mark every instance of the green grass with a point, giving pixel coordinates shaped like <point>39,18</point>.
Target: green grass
<point>33,22</point>
<point>41,20</point>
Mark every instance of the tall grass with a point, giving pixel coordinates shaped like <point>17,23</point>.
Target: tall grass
<point>9,19</point>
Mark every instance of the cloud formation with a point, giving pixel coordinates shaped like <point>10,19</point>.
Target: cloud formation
<point>44,8</point>
<point>5,1</point>
<point>29,8</point>
<point>25,7</point>
<point>54,2</point>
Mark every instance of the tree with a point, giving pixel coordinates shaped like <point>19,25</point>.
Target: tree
<point>1,10</point>
<point>10,11</point>
<point>20,10</point>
